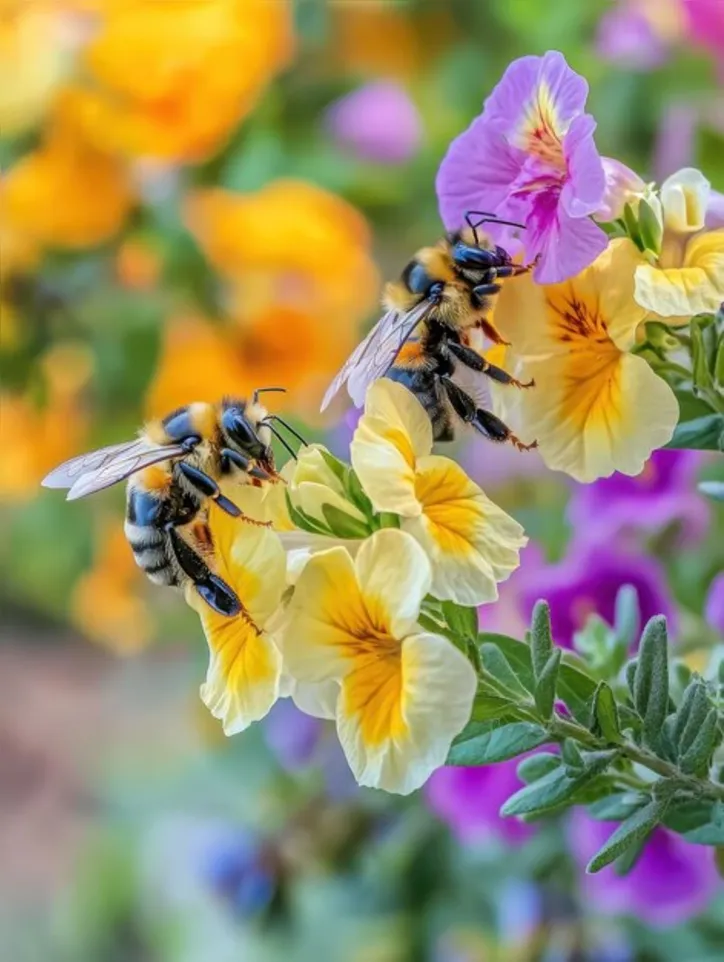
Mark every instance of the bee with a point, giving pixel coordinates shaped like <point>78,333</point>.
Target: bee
<point>448,292</point>
<point>173,470</point>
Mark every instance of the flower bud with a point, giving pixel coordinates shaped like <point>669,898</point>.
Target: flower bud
<point>623,186</point>
<point>316,489</point>
<point>685,199</point>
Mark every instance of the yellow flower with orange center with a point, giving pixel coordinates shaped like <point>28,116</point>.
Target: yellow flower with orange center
<point>172,80</point>
<point>472,544</point>
<point>403,693</point>
<point>245,667</point>
<point>595,408</point>
<point>66,193</point>
<point>687,277</point>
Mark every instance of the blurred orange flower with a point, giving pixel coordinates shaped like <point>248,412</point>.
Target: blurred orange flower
<point>173,79</point>
<point>138,263</point>
<point>34,439</point>
<point>65,193</point>
<point>300,280</point>
<point>107,603</point>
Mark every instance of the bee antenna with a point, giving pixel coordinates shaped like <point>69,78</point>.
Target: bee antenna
<point>487,218</point>
<point>292,431</point>
<point>266,390</point>
<point>282,440</point>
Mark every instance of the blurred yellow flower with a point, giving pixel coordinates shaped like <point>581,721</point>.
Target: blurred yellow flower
<point>34,439</point>
<point>595,407</point>
<point>172,80</point>
<point>107,603</point>
<point>687,278</point>
<point>472,544</point>
<point>34,54</point>
<point>403,693</point>
<point>66,193</point>
<point>245,667</point>
<point>138,264</point>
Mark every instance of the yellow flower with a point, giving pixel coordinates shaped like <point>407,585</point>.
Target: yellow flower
<point>107,603</point>
<point>243,679</point>
<point>314,488</point>
<point>595,407</point>
<point>404,693</point>
<point>472,544</point>
<point>66,193</point>
<point>172,80</point>
<point>687,278</point>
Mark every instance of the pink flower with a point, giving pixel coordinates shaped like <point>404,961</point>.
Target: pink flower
<point>705,20</point>
<point>531,157</point>
<point>376,122</point>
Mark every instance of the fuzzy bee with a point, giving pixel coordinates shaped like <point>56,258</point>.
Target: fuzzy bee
<point>173,470</point>
<point>445,296</point>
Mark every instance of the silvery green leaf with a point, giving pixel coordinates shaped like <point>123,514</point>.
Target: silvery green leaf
<point>485,745</point>
<point>605,713</point>
<point>536,766</point>
<point>496,664</point>
<point>633,830</point>
<point>545,689</point>
<point>651,682</point>
<point>557,787</point>
<point>697,758</point>
<point>690,716</point>
<point>702,434</point>
<point>541,637</point>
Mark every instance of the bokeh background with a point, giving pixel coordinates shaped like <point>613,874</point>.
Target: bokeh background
<point>201,197</point>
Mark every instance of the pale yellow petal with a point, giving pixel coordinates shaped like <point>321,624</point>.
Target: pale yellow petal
<point>696,287</point>
<point>397,718</point>
<point>596,414</point>
<point>685,198</point>
<point>405,423</point>
<point>472,544</point>
<point>385,469</point>
<point>394,576</point>
<point>318,700</point>
<point>266,503</point>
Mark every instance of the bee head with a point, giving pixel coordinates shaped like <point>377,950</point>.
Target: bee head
<point>241,427</point>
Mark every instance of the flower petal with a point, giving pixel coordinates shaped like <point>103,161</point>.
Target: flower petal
<point>697,287</point>
<point>685,198</point>
<point>585,185</point>
<point>623,186</point>
<point>397,719</point>
<point>472,543</point>
<point>394,576</point>
<point>407,424</point>
<point>566,245</point>
<point>594,413</point>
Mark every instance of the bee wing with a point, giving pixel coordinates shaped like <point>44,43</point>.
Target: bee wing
<point>476,384</point>
<point>374,355</point>
<point>67,473</point>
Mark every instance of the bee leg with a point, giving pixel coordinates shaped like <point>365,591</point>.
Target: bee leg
<point>233,457</point>
<point>214,590</point>
<point>470,358</point>
<point>483,421</point>
<point>484,290</point>
<point>208,487</point>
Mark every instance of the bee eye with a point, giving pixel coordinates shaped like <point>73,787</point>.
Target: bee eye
<point>416,278</point>
<point>238,428</point>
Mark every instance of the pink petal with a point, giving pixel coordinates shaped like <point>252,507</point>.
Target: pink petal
<point>567,245</point>
<point>586,181</point>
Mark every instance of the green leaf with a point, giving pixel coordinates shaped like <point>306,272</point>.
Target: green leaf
<point>537,766</point>
<point>490,704</point>
<point>556,788</point>
<point>343,525</point>
<point>575,688</point>
<point>702,434</point>
<point>463,621</point>
<point>697,758</point>
<point>605,714</point>
<point>497,744</point>
<point>338,468</point>
<point>545,690</point>
<point>541,637</point>
<point>496,664</point>
<point>650,227</point>
<point>355,492</point>
<point>571,755</point>
<point>712,489</point>
<point>651,682</point>
<point>516,653</point>
<point>627,618</point>
<point>699,820</point>
<point>703,380</point>
<point>719,364</point>
<point>617,807</point>
<point>691,714</point>
<point>302,520</point>
<point>633,830</point>
<point>632,226</point>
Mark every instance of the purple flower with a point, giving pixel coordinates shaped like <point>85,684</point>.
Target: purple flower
<point>469,800</point>
<point>662,494</point>
<point>234,867</point>
<point>587,582</point>
<point>715,211</point>
<point>292,735</point>
<point>376,122</point>
<point>714,607</point>
<point>676,139</point>
<point>672,880</point>
<point>530,157</point>
<point>628,36</point>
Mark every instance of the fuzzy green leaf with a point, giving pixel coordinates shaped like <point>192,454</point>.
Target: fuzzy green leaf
<point>702,434</point>
<point>541,638</point>
<point>463,621</point>
<point>483,747</point>
<point>490,704</point>
<point>690,717</point>
<point>617,807</point>
<point>575,688</point>
<point>537,766</point>
<point>651,682</point>
<point>545,690</point>
<point>605,713</point>
<point>702,375</point>
<point>697,758</point>
<point>516,653</point>
<point>496,664</point>
<point>556,788</point>
<point>633,830</point>
<point>699,820</point>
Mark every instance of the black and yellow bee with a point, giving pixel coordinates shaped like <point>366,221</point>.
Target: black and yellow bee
<point>447,293</point>
<point>173,470</point>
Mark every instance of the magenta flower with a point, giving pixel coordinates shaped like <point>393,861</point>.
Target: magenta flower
<point>705,20</point>
<point>376,122</point>
<point>469,801</point>
<point>587,581</point>
<point>530,157</point>
<point>672,880</point>
<point>714,608</point>
<point>663,494</point>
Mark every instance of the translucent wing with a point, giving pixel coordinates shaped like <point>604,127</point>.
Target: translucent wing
<point>100,469</point>
<point>373,356</point>
<point>476,384</point>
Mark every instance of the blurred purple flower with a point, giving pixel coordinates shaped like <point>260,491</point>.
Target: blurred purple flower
<point>292,735</point>
<point>715,211</point>
<point>628,37</point>
<point>341,434</point>
<point>705,21</point>
<point>377,122</point>
<point>234,868</point>
<point>509,615</point>
<point>675,140</point>
<point>663,493</point>
<point>587,582</point>
<point>530,157</point>
<point>672,880</point>
<point>714,607</point>
<point>469,800</point>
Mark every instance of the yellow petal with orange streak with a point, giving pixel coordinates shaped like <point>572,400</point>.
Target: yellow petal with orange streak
<point>695,287</point>
<point>472,544</point>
